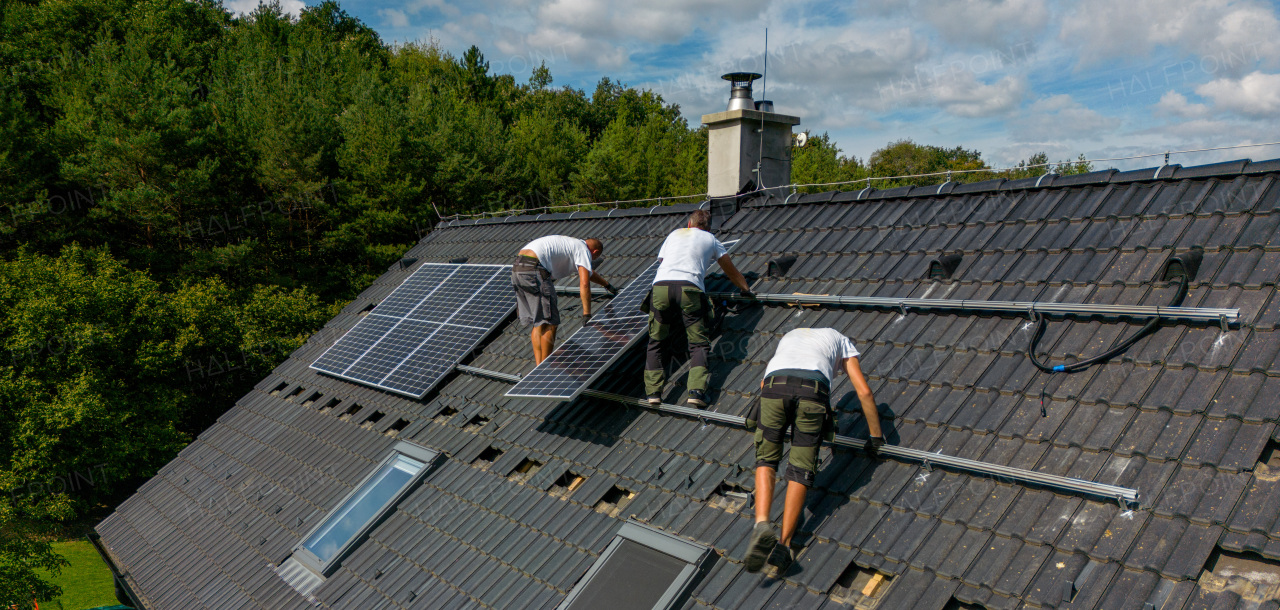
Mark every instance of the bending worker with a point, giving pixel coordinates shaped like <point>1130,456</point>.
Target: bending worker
<point>678,298</point>
<point>796,393</point>
<point>541,262</point>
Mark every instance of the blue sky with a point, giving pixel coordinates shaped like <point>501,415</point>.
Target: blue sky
<point>1106,78</point>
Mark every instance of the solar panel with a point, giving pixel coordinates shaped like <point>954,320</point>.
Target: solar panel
<point>576,364</point>
<point>416,335</point>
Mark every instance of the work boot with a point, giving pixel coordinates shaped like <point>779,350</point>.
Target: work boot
<point>655,400</point>
<point>697,398</point>
<point>763,539</point>
<point>782,557</point>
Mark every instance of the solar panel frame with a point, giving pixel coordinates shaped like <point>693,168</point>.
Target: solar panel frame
<point>622,312</point>
<point>433,319</point>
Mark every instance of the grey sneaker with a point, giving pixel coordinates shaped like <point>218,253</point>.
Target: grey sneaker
<point>763,539</point>
<point>697,398</point>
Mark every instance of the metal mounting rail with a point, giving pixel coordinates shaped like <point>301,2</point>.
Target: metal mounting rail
<point>1123,495</point>
<point>1224,317</point>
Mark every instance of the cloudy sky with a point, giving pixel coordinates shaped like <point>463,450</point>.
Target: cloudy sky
<point>1107,78</point>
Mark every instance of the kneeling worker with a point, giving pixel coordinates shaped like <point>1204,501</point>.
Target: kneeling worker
<point>540,263</point>
<point>796,393</point>
<point>678,301</point>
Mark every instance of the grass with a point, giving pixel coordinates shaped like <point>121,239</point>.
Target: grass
<point>86,583</point>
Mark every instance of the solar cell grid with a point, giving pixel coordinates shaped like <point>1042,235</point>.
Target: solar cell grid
<point>411,340</point>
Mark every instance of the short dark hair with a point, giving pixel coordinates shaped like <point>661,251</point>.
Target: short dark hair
<point>593,244</point>
<point>701,219</point>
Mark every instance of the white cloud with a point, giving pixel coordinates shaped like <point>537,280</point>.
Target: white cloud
<point>985,22</point>
<point>1058,118</point>
<point>965,96</point>
<point>1175,104</point>
<point>1231,36</point>
<point>244,7</point>
<point>393,18</point>
<point>1256,95</point>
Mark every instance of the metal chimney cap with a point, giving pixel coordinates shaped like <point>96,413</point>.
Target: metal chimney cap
<point>741,77</point>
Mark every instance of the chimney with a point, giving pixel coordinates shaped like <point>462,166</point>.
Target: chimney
<point>749,145</point>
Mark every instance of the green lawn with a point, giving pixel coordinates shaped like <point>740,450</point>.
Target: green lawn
<point>86,583</point>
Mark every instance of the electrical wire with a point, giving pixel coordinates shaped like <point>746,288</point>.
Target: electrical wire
<point>1042,324</point>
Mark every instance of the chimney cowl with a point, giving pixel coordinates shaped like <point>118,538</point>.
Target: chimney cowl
<point>740,98</point>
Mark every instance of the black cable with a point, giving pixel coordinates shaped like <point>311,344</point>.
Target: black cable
<point>1042,324</point>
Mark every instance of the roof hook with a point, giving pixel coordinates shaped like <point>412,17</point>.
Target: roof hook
<point>1223,321</point>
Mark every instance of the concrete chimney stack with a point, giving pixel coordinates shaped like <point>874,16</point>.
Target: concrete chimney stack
<point>748,144</point>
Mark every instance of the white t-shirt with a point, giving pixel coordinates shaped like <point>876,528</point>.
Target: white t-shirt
<point>686,254</point>
<point>812,349</point>
<point>561,255</point>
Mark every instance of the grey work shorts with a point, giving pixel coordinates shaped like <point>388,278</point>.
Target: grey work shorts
<point>535,294</point>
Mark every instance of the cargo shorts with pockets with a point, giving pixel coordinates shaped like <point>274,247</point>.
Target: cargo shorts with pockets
<point>801,405</point>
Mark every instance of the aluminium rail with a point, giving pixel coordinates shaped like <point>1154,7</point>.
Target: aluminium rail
<point>1224,317</point>
<point>1123,495</point>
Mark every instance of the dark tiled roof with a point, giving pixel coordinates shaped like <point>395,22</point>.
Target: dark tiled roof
<point>1183,417</point>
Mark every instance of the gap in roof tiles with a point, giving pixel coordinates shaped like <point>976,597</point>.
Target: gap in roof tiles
<point>730,497</point>
<point>614,501</point>
<point>315,396</point>
<point>487,457</point>
<point>1269,462</point>
<point>527,468</point>
<point>373,419</point>
<point>568,483</point>
<point>351,411</point>
<point>280,388</point>
<point>1255,579</point>
<point>295,393</point>
<point>328,406</point>
<point>860,587</point>
<point>475,424</point>
<point>446,412</point>
<point>397,427</point>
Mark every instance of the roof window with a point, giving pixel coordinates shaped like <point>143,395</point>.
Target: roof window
<point>643,568</point>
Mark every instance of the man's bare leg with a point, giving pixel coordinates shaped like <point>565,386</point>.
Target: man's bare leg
<point>791,510</point>
<point>548,341</point>
<point>535,337</point>
<point>764,492</point>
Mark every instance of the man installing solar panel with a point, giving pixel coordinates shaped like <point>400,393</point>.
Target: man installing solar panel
<point>539,264</point>
<point>678,300</point>
<point>796,393</point>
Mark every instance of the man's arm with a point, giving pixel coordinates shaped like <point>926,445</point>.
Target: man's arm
<point>864,396</point>
<point>584,289</point>
<point>733,274</point>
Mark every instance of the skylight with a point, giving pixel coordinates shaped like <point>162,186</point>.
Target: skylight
<point>364,507</point>
<point>642,569</point>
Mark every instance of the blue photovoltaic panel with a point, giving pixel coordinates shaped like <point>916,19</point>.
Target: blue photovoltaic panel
<point>576,364</point>
<point>416,335</point>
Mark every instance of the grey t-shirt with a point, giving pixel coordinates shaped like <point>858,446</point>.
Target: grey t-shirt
<point>812,349</point>
<point>561,255</point>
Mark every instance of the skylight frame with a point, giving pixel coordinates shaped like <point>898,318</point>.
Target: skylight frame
<point>694,556</point>
<point>323,568</point>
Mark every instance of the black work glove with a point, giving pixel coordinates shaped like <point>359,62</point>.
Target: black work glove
<point>613,292</point>
<point>874,444</point>
<point>586,317</point>
<point>746,294</point>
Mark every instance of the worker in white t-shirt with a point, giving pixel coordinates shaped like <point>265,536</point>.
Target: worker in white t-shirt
<point>678,300</point>
<point>540,263</point>
<point>796,393</point>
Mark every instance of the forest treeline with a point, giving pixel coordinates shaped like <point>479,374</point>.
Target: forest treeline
<point>186,195</point>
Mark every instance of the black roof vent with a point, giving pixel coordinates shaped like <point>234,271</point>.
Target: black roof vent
<point>943,267</point>
<point>1185,265</point>
<point>458,261</point>
<point>407,262</point>
<point>779,267</point>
